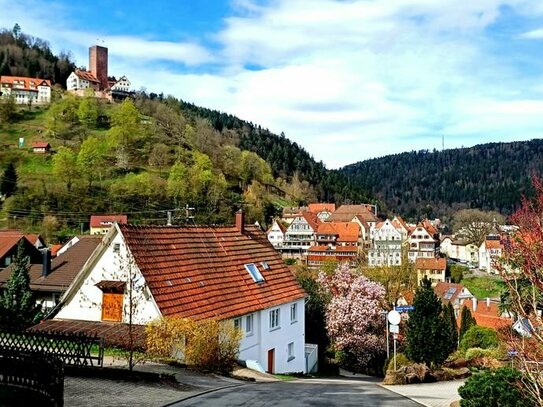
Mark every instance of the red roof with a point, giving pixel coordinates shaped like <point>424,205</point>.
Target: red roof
<point>312,219</point>
<point>433,263</point>
<point>23,82</point>
<point>41,144</point>
<point>346,213</point>
<point>345,231</point>
<point>319,207</point>
<point>493,244</point>
<point>488,315</point>
<point>199,272</point>
<point>86,75</point>
<point>100,221</point>
<point>448,292</point>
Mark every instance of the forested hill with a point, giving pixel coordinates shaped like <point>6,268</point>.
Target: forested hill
<point>286,158</point>
<point>489,176</point>
<point>24,55</point>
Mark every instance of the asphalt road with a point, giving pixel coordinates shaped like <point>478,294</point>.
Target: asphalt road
<point>303,392</point>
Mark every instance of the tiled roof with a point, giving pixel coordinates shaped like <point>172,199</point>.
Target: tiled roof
<point>346,213</point>
<point>493,244</point>
<point>338,249</point>
<point>488,316</point>
<point>40,144</point>
<point>312,219</point>
<point>86,75</point>
<point>8,242</point>
<point>319,207</point>
<point>422,263</point>
<point>449,292</point>
<point>199,272</point>
<point>22,82</point>
<point>98,221</point>
<point>346,231</point>
<point>281,227</point>
<point>64,268</point>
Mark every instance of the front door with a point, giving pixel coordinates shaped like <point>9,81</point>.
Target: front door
<point>271,360</point>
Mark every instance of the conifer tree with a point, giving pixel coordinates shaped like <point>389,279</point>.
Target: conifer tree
<point>18,309</point>
<point>9,181</point>
<point>448,314</point>
<point>466,321</point>
<point>428,337</point>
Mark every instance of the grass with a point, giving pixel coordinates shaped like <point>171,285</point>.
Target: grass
<point>484,287</point>
<point>284,377</point>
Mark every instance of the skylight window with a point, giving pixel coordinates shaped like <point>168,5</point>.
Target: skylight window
<point>254,272</point>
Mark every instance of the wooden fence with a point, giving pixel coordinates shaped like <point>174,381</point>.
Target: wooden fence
<point>41,378</point>
<point>72,349</point>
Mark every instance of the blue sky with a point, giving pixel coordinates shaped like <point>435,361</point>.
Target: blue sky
<point>346,79</point>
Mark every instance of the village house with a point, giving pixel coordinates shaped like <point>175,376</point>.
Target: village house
<point>422,241</point>
<point>459,250</point>
<point>456,294</point>
<point>363,214</point>
<point>25,90</point>
<point>41,147</point>
<point>318,256</point>
<point>51,278</point>
<point>9,241</point>
<point>276,234</point>
<point>491,250</point>
<point>322,210</point>
<point>432,268</point>
<point>100,224</point>
<point>388,242</point>
<point>487,313</point>
<point>229,273</point>
<point>300,235</point>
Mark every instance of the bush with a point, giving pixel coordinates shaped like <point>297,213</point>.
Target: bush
<point>479,337</point>
<point>494,388</point>
<point>401,360</point>
<point>457,272</point>
<point>473,353</point>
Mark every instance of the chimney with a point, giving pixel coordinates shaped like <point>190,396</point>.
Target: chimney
<point>98,64</point>
<point>240,221</point>
<point>46,263</point>
<point>474,302</point>
<point>488,302</point>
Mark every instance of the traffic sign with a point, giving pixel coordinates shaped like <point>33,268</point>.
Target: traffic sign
<point>405,308</point>
<point>394,317</point>
<point>395,329</point>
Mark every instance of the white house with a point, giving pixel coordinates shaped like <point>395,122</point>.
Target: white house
<point>26,90</point>
<point>80,79</point>
<point>460,250</point>
<point>388,238</point>
<point>225,273</point>
<point>491,250</point>
<point>276,234</point>
<point>422,242</point>
<point>300,235</point>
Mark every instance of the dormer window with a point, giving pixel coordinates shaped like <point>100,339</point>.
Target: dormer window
<point>254,272</point>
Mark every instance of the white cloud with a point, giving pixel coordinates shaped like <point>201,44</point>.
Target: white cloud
<point>348,80</point>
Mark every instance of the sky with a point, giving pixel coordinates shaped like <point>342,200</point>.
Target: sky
<point>348,80</point>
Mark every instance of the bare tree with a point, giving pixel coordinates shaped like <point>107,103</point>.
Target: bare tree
<point>475,225</point>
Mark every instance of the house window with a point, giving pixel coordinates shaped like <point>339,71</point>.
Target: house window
<point>290,351</point>
<point>237,323</point>
<point>112,307</point>
<point>116,247</point>
<point>249,325</point>
<point>274,319</point>
<point>293,313</point>
<point>254,272</point>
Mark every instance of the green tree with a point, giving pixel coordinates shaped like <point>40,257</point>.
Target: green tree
<point>88,112</point>
<point>91,159</point>
<point>466,322</point>
<point>479,337</point>
<point>125,133</point>
<point>61,119</point>
<point>65,166</point>
<point>18,308</point>
<point>8,185</point>
<point>450,318</point>
<point>7,109</point>
<point>428,338</point>
<point>177,182</point>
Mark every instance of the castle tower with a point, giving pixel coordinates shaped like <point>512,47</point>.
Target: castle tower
<point>98,64</point>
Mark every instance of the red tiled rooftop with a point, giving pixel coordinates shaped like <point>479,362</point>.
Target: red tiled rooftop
<point>430,263</point>
<point>346,213</point>
<point>40,144</point>
<point>319,207</point>
<point>88,76</point>
<point>199,272</point>
<point>97,221</point>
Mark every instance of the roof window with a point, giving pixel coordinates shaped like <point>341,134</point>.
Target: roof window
<point>254,272</point>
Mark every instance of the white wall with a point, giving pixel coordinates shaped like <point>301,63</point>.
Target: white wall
<point>86,304</point>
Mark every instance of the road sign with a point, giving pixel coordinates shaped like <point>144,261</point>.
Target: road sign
<point>394,317</point>
<point>405,308</point>
<point>395,329</point>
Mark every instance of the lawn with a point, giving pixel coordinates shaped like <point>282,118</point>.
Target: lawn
<point>483,287</point>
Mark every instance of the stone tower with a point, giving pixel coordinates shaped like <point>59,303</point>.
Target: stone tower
<point>98,64</point>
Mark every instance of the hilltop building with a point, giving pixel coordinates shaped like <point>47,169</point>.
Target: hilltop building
<point>25,90</point>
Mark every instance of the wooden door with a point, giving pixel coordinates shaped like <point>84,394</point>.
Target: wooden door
<point>271,360</point>
<point>112,307</point>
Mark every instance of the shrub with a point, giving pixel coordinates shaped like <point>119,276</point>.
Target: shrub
<point>401,360</point>
<point>473,353</point>
<point>479,337</point>
<point>493,388</point>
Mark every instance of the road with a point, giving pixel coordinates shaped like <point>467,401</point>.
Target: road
<point>303,392</point>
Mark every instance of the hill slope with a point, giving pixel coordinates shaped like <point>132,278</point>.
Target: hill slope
<point>489,176</point>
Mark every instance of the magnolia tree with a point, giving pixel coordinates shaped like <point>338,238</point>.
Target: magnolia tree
<point>354,318</point>
<point>521,268</point>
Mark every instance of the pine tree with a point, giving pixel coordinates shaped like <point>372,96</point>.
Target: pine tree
<point>18,309</point>
<point>428,337</point>
<point>9,181</point>
<point>448,314</point>
<point>466,322</point>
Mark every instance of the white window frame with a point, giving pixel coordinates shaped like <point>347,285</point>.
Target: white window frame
<point>249,324</point>
<point>237,323</point>
<point>293,312</point>
<point>290,352</point>
<point>274,319</point>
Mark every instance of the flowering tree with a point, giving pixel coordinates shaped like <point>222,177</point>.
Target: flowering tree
<point>521,268</point>
<point>354,317</point>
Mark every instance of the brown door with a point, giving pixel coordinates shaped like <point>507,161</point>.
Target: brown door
<point>271,360</point>
<point>112,307</point>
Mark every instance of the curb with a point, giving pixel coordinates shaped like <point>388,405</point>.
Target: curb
<point>404,395</point>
